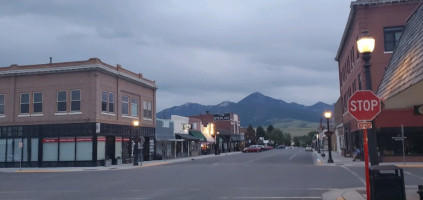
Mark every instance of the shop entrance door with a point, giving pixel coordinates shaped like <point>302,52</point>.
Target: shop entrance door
<point>110,149</point>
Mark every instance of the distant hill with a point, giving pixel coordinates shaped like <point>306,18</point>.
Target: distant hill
<point>259,110</point>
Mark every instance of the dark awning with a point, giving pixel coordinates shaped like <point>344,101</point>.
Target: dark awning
<point>198,135</point>
<point>185,136</point>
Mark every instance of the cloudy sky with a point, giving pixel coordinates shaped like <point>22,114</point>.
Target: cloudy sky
<point>196,50</point>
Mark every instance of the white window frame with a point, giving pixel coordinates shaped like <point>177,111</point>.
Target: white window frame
<point>20,103</point>
<point>34,102</point>
<point>75,100</point>
<point>3,104</point>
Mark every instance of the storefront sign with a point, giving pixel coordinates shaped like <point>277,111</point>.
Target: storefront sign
<point>118,139</point>
<point>126,139</point>
<point>101,139</point>
<point>50,140</point>
<point>84,139</point>
<point>67,140</point>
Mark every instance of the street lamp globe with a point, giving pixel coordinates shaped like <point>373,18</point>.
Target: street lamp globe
<point>136,123</point>
<point>328,114</point>
<point>366,43</point>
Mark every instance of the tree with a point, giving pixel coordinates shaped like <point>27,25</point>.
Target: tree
<point>260,132</point>
<point>270,128</point>
<point>276,135</point>
<point>250,135</point>
<point>287,139</point>
<point>297,141</point>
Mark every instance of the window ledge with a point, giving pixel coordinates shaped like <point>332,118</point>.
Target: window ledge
<point>131,117</point>
<point>75,113</point>
<point>111,114</point>
<point>37,115</point>
<point>2,116</point>
<point>61,113</point>
<point>24,115</point>
<point>148,119</point>
<point>386,52</point>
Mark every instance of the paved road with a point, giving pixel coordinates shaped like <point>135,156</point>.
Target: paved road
<point>276,174</point>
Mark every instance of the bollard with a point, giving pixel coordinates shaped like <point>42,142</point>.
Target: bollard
<point>420,191</point>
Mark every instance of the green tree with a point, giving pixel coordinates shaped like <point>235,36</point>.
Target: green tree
<point>250,136</point>
<point>270,128</point>
<point>276,135</point>
<point>297,141</point>
<point>287,139</point>
<point>260,132</point>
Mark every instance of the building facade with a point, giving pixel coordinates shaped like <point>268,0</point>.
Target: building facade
<point>385,21</point>
<point>74,114</point>
<point>401,90</point>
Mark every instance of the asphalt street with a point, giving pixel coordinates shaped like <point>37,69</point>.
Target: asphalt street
<point>275,174</point>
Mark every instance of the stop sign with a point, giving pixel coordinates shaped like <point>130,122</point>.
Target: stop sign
<point>364,105</point>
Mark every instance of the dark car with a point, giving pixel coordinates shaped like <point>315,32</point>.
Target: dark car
<point>281,147</point>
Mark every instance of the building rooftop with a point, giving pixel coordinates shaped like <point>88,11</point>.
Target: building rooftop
<point>76,66</point>
<point>406,65</point>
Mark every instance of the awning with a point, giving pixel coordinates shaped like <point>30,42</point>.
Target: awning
<point>198,135</point>
<point>185,136</point>
<point>209,138</point>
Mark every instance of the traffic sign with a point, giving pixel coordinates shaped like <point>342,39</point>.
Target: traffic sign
<point>364,105</point>
<point>364,125</point>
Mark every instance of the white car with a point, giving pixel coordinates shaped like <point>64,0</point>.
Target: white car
<point>308,148</point>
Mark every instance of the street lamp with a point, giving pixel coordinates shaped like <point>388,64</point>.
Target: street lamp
<point>366,45</point>
<point>135,124</point>
<point>328,133</point>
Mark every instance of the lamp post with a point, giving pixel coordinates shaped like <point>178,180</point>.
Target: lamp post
<point>366,45</point>
<point>135,124</point>
<point>328,133</point>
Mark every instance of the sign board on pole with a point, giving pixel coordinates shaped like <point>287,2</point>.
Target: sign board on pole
<point>364,125</point>
<point>364,105</point>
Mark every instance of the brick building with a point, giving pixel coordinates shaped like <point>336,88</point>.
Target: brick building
<point>73,114</point>
<point>385,21</point>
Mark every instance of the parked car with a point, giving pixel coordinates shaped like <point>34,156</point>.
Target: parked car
<point>269,147</point>
<point>281,147</point>
<point>308,148</point>
<point>252,148</point>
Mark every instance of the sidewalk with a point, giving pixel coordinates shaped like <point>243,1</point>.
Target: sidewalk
<point>360,192</point>
<point>113,167</point>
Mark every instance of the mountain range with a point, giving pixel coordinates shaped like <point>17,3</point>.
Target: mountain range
<point>256,109</point>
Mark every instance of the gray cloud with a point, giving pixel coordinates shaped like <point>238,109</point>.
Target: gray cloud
<point>197,51</point>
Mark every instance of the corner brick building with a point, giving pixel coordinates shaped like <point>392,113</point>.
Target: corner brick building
<point>74,114</point>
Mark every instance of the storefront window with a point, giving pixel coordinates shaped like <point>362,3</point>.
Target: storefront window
<point>118,147</point>
<point>50,149</point>
<point>84,148</point>
<point>101,148</point>
<point>67,149</point>
<point>34,149</point>
<point>2,150</point>
<point>9,155</point>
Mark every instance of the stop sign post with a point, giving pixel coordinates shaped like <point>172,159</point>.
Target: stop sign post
<point>364,106</point>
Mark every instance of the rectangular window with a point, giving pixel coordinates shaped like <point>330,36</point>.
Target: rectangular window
<point>50,149</point>
<point>107,102</point>
<point>2,150</point>
<point>25,103</point>
<point>125,105</point>
<point>67,149</point>
<point>84,148</point>
<point>391,37</point>
<point>75,100</point>
<point>134,107</point>
<point>104,101</point>
<point>101,148</point>
<point>34,149</point>
<point>1,105</point>
<point>111,102</point>
<point>148,113</point>
<point>38,102</point>
<point>61,101</point>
